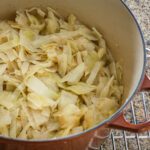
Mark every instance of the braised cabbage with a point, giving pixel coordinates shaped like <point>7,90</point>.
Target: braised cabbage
<point>57,76</point>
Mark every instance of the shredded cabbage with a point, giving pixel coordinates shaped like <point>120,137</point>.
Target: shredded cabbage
<point>40,88</point>
<point>81,88</point>
<point>5,118</point>
<point>66,98</point>
<point>94,72</point>
<point>75,75</point>
<point>57,76</point>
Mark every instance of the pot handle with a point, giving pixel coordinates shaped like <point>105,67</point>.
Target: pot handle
<point>121,123</point>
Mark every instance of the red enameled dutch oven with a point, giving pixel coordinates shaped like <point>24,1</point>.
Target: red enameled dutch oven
<point>124,37</point>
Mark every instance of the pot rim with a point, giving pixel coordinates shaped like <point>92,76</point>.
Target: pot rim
<point>108,119</point>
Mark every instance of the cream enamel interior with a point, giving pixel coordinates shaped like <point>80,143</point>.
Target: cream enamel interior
<point>110,17</point>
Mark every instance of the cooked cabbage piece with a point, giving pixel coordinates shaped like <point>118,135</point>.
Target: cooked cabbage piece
<point>57,76</point>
